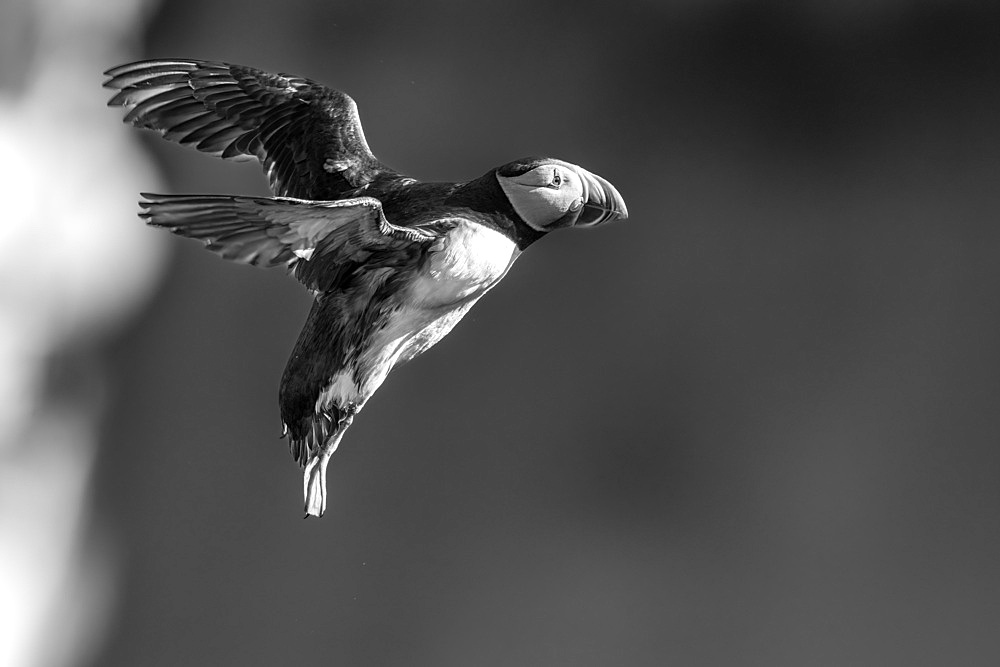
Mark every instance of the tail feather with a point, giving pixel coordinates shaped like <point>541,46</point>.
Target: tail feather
<point>314,451</point>
<point>309,436</point>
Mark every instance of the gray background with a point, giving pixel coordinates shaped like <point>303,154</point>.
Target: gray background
<point>754,425</point>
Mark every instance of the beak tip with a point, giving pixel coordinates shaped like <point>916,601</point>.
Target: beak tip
<point>603,200</point>
<point>613,206</point>
<point>621,211</point>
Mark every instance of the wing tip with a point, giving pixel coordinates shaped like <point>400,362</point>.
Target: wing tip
<point>157,63</point>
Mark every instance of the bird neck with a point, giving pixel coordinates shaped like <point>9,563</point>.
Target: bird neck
<point>487,203</point>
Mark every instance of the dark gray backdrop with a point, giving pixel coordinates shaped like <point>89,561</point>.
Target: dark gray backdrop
<point>754,425</point>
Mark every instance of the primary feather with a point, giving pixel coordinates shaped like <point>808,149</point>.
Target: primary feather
<point>308,137</point>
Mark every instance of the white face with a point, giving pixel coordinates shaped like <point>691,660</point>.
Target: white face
<point>544,195</point>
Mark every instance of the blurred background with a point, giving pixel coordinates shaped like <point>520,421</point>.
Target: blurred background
<point>757,424</point>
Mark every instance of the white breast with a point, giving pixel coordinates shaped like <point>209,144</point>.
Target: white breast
<point>468,261</point>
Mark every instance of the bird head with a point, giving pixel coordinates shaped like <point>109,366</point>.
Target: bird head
<point>549,194</point>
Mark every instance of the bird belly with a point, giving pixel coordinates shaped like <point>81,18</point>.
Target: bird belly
<point>463,266</point>
<point>407,332</point>
<point>432,332</point>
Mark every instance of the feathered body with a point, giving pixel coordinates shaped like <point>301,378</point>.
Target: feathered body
<point>393,263</point>
<point>388,309</point>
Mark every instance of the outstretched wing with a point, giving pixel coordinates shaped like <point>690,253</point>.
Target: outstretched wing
<point>321,242</point>
<point>307,137</point>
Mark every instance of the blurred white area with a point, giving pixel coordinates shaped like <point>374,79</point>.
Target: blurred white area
<point>74,264</point>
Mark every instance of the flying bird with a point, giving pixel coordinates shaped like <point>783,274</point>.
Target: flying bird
<point>393,263</point>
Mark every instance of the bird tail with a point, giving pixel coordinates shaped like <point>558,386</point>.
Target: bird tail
<point>314,451</point>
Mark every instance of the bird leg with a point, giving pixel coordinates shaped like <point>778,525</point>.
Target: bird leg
<point>314,479</point>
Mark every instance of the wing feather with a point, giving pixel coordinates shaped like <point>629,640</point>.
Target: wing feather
<point>295,127</point>
<point>310,238</point>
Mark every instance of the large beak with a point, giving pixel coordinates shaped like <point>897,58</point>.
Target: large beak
<point>601,201</point>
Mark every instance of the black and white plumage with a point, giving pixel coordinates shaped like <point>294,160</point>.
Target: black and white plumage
<point>393,263</point>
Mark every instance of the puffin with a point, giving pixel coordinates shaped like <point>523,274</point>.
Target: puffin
<point>393,263</point>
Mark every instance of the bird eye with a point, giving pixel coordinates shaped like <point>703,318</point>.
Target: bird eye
<point>556,180</point>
